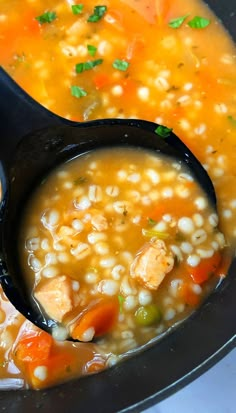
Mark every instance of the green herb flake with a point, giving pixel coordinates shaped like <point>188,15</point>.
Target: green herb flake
<point>81,67</point>
<point>98,13</point>
<point>47,17</point>
<point>91,50</point>
<point>152,221</point>
<point>78,92</point>
<point>163,131</point>
<point>120,65</point>
<point>177,22</point>
<point>232,120</point>
<point>77,8</point>
<point>199,22</point>
<point>80,180</point>
<point>121,300</point>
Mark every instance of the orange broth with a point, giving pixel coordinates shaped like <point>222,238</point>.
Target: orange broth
<point>130,63</point>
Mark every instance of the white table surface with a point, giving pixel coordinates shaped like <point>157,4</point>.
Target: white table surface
<point>213,392</point>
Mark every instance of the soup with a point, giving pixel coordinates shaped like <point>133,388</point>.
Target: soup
<point>106,64</point>
<point>110,246</point>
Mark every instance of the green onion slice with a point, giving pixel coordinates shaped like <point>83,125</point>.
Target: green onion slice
<point>151,233</point>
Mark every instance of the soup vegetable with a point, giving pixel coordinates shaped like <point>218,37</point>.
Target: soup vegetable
<point>147,59</point>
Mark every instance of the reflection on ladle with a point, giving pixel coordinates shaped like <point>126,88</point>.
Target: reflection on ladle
<point>33,142</point>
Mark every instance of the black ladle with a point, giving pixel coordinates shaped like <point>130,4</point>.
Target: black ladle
<point>33,141</point>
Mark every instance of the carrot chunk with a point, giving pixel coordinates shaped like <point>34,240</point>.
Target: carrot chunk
<point>57,368</point>
<point>188,295</point>
<point>206,268</point>
<point>100,316</point>
<point>34,348</point>
<point>101,80</point>
<point>146,8</point>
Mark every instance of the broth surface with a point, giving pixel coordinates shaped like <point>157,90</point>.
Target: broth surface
<point>141,68</point>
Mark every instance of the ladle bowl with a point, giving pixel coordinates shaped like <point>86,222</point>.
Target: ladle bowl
<point>49,141</point>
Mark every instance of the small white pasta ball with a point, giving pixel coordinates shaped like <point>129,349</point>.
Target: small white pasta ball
<point>186,225</point>
<point>108,287</point>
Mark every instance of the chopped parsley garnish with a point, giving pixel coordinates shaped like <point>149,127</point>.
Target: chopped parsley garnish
<point>232,120</point>
<point>163,131</point>
<point>98,13</point>
<point>47,17</point>
<point>91,49</point>
<point>77,91</point>
<point>81,67</point>
<point>177,22</point>
<point>120,65</point>
<point>77,8</point>
<point>199,22</point>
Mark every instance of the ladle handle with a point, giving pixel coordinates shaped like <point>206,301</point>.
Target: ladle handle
<point>19,115</point>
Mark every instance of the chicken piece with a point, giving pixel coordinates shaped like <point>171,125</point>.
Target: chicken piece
<point>151,264</point>
<point>55,296</point>
<point>99,222</point>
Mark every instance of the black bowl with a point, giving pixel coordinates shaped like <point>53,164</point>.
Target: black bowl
<point>159,371</point>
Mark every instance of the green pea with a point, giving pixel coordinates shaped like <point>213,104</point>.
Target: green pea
<point>148,315</point>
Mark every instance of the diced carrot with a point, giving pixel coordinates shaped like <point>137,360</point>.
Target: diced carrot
<point>135,47</point>
<point>57,368</point>
<point>101,316</point>
<point>30,24</point>
<point>205,269</point>
<point>146,8</point>
<point>115,18</point>
<point>162,8</point>
<point>101,80</point>
<point>177,209</point>
<point>129,87</point>
<point>188,295</point>
<point>34,348</point>
<point>10,32</point>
